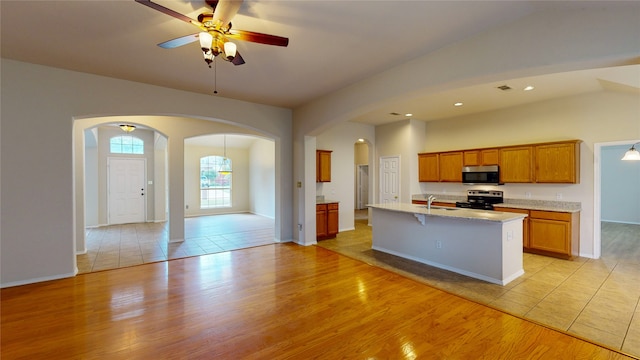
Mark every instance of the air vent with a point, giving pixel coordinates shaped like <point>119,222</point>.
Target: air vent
<point>394,113</point>
<point>504,87</point>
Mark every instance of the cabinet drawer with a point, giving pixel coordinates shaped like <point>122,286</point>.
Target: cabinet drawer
<point>551,215</point>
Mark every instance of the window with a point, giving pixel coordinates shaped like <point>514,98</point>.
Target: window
<point>126,144</point>
<point>215,186</point>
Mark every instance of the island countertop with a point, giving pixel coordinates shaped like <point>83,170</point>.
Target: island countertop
<point>462,213</point>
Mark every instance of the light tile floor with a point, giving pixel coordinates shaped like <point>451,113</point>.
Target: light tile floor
<point>116,246</point>
<point>593,299</point>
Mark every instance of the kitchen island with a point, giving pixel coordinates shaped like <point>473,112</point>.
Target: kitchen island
<point>482,244</point>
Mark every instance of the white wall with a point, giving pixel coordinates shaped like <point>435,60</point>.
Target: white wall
<point>262,177</point>
<point>594,117</point>
<point>620,184</point>
<point>341,139</point>
<point>44,114</point>
<point>403,138</point>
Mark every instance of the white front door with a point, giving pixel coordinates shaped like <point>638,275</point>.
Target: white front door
<point>389,179</point>
<point>126,187</point>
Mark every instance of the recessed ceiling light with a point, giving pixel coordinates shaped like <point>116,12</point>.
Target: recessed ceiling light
<point>408,114</point>
<point>360,140</point>
<point>529,88</point>
<point>458,104</point>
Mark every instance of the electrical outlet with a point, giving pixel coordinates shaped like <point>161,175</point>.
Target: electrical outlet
<point>187,206</point>
<point>527,195</point>
<point>438,244</point>
<point>558,196</point>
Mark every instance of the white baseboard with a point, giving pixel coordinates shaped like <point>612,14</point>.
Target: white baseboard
<point>37,280</point>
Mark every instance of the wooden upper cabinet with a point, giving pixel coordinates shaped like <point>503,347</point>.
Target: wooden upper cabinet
<point>552,162</point>
<point>489,157</point>
<point>471,158</point>
<point>323,165</point>
<point>480,157</point>
<point>557,163</point>
<point>451,166</point>
<point>428,168</point>
<point>516,165</point>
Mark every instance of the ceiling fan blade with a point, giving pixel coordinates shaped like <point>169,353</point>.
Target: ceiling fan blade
<point>237,60</point>
<point>172,13</point>
<point>224,12</point>
<point>177,42</point>
<point>257,37</point>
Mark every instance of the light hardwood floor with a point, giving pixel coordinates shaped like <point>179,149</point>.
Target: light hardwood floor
<point>278,301</point>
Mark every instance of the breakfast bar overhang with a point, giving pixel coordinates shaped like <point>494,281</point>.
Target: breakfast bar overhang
<point>486,245</point>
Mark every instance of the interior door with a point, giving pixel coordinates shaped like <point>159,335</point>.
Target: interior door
<point>389,179</point>
<point>126,187</point>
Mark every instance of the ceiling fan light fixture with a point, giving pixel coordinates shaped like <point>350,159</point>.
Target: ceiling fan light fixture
<point>230,50</point>
<point>206,40</point>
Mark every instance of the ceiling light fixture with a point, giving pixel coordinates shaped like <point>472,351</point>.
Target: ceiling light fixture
<point>408,114</point>
<point>529,88</point>
<point>127,127</point>
<point>458,104</point>
<point>225,169</point>
<point>632,154</point>
<point>214,43</point>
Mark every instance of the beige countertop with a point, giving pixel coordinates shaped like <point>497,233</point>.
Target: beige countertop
<point>460,213</point>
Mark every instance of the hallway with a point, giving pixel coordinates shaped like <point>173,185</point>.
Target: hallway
<point>117,246</point>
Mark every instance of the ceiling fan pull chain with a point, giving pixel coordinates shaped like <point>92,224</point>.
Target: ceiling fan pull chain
<point>215,75</point>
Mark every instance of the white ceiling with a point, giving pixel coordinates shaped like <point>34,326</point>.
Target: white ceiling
<point>332,44</point>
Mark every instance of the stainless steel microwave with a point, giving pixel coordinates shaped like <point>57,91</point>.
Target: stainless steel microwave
<point>481,175</point>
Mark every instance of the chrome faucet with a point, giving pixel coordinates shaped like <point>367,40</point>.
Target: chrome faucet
<point>429,201</point>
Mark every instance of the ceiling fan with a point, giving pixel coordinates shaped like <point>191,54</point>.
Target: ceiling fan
<point>216,31</point>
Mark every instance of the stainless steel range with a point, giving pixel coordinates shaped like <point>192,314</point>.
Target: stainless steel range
<point>481,199</point>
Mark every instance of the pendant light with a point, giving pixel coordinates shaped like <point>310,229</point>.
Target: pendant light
<point>632,154</point>
<point>225,169</point>
<point>127,127</point>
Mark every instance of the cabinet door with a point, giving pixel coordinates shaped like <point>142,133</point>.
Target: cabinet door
<point>516,164</point>
<point>471,158</point>
<point>550,235</point>
<point>451,166</point>
<point>525,223</point>
<point>323,166</point>
<point>489,157</point>
<point>557,163</point>
<point>333,217</point>
<point>321,220</point>
<point>428,168</point>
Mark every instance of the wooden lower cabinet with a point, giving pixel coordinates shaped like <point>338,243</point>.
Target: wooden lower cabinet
<point>525,223</point>
<point>554,233</point>
<point>549,233</point>
<point>327,220</point>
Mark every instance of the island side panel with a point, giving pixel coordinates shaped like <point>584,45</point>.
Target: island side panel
<point>470,247</point>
